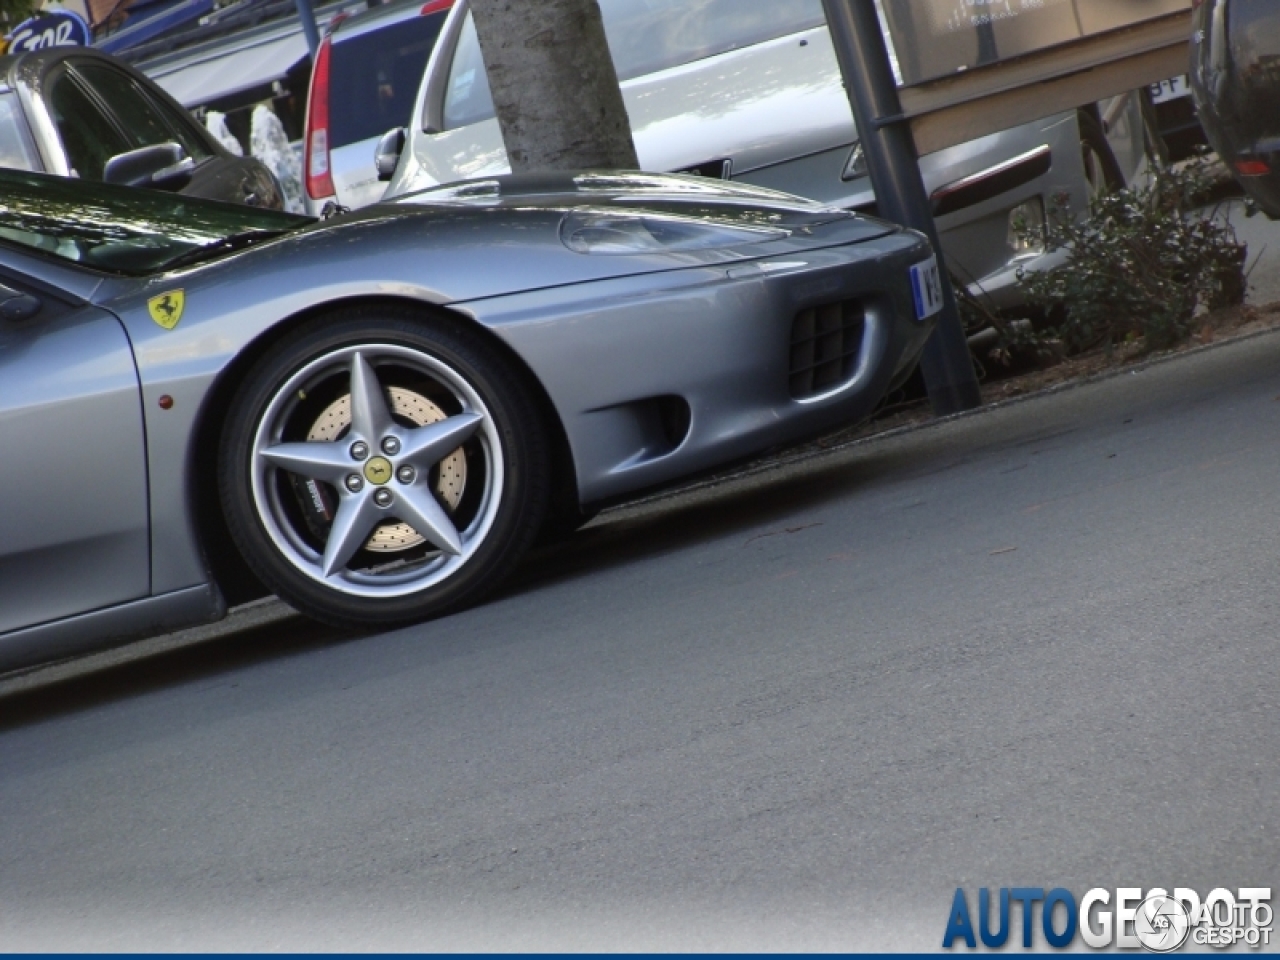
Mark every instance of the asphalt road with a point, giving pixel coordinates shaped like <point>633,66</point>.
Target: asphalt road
<point>1036,646</point>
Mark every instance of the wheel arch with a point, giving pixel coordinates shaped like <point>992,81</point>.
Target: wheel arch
<point>228,568</point>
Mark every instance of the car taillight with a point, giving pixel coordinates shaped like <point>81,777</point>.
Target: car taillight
<point>435,6</point>
<point>319,176</point>
<point>1252,168</point>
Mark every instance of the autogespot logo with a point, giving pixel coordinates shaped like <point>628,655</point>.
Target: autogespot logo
<point>1155,920</point>
<point>1162,923</point>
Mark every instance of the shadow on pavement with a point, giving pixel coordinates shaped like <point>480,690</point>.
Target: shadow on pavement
<point>743,506</point>
<point>197,660</point>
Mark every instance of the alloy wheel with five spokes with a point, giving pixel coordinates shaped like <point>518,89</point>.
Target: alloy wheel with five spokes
<point>374,479</point>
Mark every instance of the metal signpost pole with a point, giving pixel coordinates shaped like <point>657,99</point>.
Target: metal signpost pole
<point>308,16</point>
<point>900,194</point>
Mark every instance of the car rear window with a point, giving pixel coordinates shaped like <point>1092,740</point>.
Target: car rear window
<point>16,150</point>
<point>645,36</point>
<point>374,78</point>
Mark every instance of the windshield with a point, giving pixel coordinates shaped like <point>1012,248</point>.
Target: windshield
<point>645,36</point>
<point>121,229</point>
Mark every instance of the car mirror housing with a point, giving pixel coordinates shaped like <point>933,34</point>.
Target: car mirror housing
<point>386,156</point>
<point>162,166</point>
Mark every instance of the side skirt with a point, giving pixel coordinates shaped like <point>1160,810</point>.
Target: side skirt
<point>86,632</point>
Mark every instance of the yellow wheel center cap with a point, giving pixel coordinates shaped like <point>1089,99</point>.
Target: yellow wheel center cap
<point>378,471</point>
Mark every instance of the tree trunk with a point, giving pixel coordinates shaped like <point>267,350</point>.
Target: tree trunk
<point>554,86</point>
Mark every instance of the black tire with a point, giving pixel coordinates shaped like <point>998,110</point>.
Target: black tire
<point>444,373</point>
<point>1098,157</point>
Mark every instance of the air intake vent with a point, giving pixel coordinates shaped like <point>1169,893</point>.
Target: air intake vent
<point>825,342</point>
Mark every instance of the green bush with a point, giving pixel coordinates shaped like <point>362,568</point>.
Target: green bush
<point>1142,264</point>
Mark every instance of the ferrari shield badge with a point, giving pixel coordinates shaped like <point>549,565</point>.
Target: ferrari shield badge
<point>166,309</point>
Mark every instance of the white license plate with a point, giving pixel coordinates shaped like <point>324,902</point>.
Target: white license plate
<point>1170,89</point>
<point>926,286</point>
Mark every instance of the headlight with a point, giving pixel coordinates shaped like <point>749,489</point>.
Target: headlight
<point>856,166</point>
<point>609,232</point>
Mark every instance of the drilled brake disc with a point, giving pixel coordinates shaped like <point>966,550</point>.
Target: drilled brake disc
<point>452,475</point>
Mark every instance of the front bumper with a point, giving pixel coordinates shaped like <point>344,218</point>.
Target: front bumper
<point>666,375</point>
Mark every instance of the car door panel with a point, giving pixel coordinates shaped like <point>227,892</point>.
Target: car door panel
<point>74,525</point>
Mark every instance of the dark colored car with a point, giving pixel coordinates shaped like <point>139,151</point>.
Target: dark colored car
<point>1235,79</point>
<point>77,112</point>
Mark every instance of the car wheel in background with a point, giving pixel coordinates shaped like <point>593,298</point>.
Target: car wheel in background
<point>376,469</point>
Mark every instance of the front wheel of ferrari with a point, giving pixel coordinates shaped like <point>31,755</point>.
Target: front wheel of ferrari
<point>377,469</point>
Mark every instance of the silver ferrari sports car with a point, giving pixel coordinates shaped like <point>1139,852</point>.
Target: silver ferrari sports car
<point>375,416</point>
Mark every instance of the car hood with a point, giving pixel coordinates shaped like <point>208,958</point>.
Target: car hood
<point>508,235</point>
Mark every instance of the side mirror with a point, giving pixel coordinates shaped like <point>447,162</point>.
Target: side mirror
<point>17,307</point>
<point>387,153</point>
<point>162,166</point>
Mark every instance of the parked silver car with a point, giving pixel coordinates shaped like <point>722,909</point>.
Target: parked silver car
<point>366,77</point>
<point>378,414</point>
<point>76,112</point>
<point>750,90</point>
